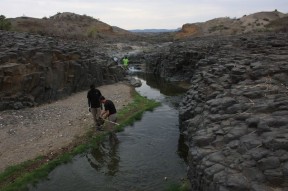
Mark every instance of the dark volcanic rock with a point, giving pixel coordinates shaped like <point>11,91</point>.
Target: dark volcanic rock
<point>36,69</point>
<point>235,113</point>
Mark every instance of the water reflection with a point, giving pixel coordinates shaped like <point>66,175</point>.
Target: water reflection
<point>105,158</point>
<point>165,87</point>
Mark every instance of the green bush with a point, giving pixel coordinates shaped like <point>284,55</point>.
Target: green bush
<point>92,32</point>
<point>4,23</point>
<point>217,28</point>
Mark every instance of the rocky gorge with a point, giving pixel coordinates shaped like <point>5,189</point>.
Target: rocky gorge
<point>35,69</point>
<point>235,113</point>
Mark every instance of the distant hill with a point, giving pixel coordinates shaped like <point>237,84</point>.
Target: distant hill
<point>153,30</point>
<point>67,25</point>
<point>257,22</point>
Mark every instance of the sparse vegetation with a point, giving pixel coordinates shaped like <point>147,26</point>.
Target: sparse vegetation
<point>92,32</point>
<point>131,113</point>
<point>279,25</point>
<point>4,23</point>
<point>218,28</point>
<point>182,186</point>
<point>67,26</point>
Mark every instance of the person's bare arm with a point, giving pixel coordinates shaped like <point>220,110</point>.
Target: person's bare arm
<point>104,114</point>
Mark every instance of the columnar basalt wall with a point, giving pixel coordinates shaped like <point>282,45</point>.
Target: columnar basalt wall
<point>36,69</point>
<point>235,114</point>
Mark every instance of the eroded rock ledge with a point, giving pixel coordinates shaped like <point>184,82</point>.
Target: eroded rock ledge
<point>35,69</point>
<point>235,114</point>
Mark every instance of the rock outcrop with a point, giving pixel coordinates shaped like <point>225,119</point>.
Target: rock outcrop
<point>36,69</point>
<point>261,21</point>
<point>235,114</point>
<point>188,30</point>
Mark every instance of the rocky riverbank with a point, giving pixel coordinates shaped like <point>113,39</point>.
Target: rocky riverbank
<point>235,114</point>
<point>50,128</point>
<point>36,69</point>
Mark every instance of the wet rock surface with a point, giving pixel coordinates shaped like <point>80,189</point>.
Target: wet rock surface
<point>235,114</point>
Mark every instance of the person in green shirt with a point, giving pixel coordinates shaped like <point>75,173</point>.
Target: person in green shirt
<point>125,62</point>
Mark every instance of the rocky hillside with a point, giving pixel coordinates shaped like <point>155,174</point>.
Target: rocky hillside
<point>67,25</point>
<point>235,113</point>
<point>35,69</point>
<point>257,22</point>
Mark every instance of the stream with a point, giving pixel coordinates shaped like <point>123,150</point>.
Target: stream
<point>150,156</point>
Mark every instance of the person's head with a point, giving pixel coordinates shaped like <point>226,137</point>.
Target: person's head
<point>102,99</point>
<point>92,86</point>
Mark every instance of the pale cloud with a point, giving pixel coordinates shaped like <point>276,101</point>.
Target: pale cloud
<point>140,14</point>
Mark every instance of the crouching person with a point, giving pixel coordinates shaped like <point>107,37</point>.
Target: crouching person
<point>109,114</point>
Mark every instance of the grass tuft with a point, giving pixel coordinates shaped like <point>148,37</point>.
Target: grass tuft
<point>181,186</point>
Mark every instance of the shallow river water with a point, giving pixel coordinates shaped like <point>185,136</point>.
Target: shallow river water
<point>150,156</point>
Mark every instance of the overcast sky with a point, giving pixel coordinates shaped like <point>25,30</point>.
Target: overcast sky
<point>142,14</point>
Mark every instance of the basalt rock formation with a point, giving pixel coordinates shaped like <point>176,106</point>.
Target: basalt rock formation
<point>235,114</point>
<point>36,69</point>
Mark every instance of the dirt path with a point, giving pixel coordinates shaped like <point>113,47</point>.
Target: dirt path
<point>28,133</point>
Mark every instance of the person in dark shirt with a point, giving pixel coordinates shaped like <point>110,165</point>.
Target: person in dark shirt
<point>109,113</point>
<point>93,97</point>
